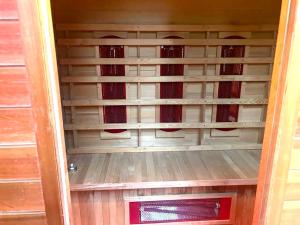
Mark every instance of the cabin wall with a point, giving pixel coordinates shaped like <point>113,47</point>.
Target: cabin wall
<point>81,88</point>
<point>21,199</point>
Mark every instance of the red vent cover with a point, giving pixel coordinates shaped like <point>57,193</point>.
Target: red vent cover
<point>113,114</point>
<point>230,89</point>
<point>171,113</point>
<point>179,210</point>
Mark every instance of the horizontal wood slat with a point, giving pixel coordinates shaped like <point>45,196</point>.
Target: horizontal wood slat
<point>23,218</point>
<point>19,162</point>
<point>155,42</point>
<point>21,196</point>
<point>8,10</point>
<point>161,61</point>
<point>164,125</point>
<point>215,147</point>
<point>156,79</point>
<point>14,90</point>
<point>16,126</point>
<point>157,28</point>
<point>227,101</point>
<point>11,50</point>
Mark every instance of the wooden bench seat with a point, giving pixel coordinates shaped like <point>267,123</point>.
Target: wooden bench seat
<point>113,171</point>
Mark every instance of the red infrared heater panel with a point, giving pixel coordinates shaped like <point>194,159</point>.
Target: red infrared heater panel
<point>180,210</point>
<point>171,113</point>
<point>230,89</point>
<point>113,114</point>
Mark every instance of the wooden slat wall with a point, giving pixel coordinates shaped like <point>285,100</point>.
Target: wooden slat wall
<point>80,80</point>
<point>21,199</point>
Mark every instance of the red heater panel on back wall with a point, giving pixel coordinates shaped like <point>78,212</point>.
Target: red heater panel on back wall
<point>170,211</point>
<point>113,114</point>
<point>171,113</point>
<point>230,89</point>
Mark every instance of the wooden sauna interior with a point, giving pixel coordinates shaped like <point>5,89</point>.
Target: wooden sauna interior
<point>164,105</point>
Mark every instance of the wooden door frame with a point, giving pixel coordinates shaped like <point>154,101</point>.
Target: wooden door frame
<point>281,120</point>
<point>39,48</point>
<point>40,58</point>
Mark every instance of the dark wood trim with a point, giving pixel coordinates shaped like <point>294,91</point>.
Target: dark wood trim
<point>35,17</point>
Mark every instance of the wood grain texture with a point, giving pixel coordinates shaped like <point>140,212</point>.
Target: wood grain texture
<point>155,42</point>
<point>8,10</point>
<point>24,220</point>
<point>108,207</point>
<point>16,126</point>
<point>21,196</point>
<point>162,61</point>
<point>211,147</point>
<point>223,101</point>
<point>19,162</point>
<point>21,199</point>
<point>14,90</point>
<point>159,28</point>
<point>164,169</point>
<point>133,126</point>
<point>139,79</point>
<point>11,51</point>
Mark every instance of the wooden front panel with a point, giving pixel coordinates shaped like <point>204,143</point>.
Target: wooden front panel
<point>8,9</point>
<point>16,126</point>
<point>14,90</point>
<point>21,196</point>
<point>108,207</point>
<point>19,162</point>
<point>21,199</point>
<point>26,220</point>
<point>11,46</point>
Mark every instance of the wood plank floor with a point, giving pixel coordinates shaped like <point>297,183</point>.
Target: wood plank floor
<point>164,169</point>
